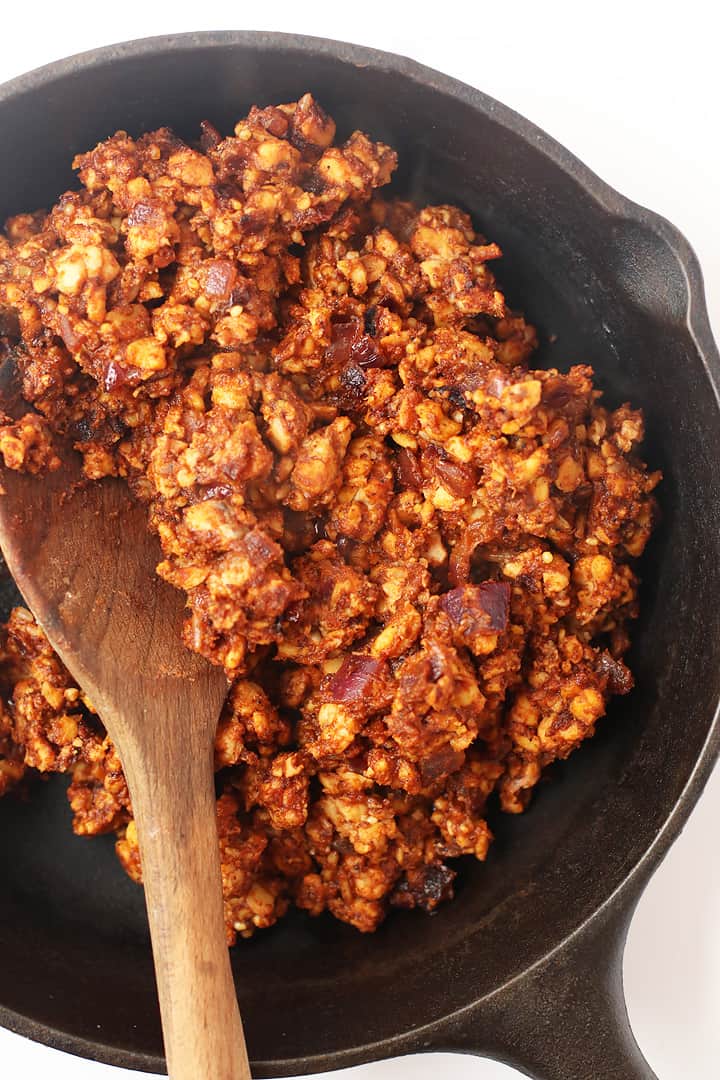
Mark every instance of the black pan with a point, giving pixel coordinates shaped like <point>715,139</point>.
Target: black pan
<point>525,965</point>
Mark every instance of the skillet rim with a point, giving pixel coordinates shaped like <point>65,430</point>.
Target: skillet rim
<point>695,321</point>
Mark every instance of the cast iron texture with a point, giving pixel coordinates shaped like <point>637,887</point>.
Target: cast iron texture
<point>525,964</point>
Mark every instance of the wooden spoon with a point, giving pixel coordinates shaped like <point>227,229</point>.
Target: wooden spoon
<point>83,559</point>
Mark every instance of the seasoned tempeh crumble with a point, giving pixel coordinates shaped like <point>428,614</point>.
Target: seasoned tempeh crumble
<point>411,552</point>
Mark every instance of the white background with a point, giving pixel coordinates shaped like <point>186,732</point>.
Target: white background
<point>632,89</point>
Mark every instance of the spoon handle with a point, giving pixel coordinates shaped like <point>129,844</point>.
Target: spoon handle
<point>173,799</point>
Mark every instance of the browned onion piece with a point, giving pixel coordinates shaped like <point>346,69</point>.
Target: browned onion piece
<point>209,136</point>
<point>343,334</point>
<point>425,887</point>
<point>364,353</point>
<point>475,609</point>
<point>350,395</point>
<point>261,549</point>
<point>408,469</point>
<point>350,346</point>
<point>117,374</point>
<point>70,338</point>
<point>353,679</point>
<point>440,765</point>
<point>459,478</point>
<point>557,392</point>
<point>301,530</point>
<point>462,553</point>
<point>620,680</point>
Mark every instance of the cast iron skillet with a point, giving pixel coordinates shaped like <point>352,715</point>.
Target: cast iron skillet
<point>525,965</point>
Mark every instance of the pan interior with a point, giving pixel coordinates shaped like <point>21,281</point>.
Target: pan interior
<point>73,938</point>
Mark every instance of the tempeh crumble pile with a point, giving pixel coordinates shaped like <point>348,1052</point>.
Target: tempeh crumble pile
<point>411,552</point>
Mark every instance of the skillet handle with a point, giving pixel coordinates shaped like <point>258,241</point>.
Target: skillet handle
<point>566,1018</point>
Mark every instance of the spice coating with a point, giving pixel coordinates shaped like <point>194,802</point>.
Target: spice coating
<point>412,553</point>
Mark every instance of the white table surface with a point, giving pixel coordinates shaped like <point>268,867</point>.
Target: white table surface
<point>634,93</point>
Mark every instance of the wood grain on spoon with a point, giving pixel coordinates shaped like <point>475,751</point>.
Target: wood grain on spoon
<point>85,562</point>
